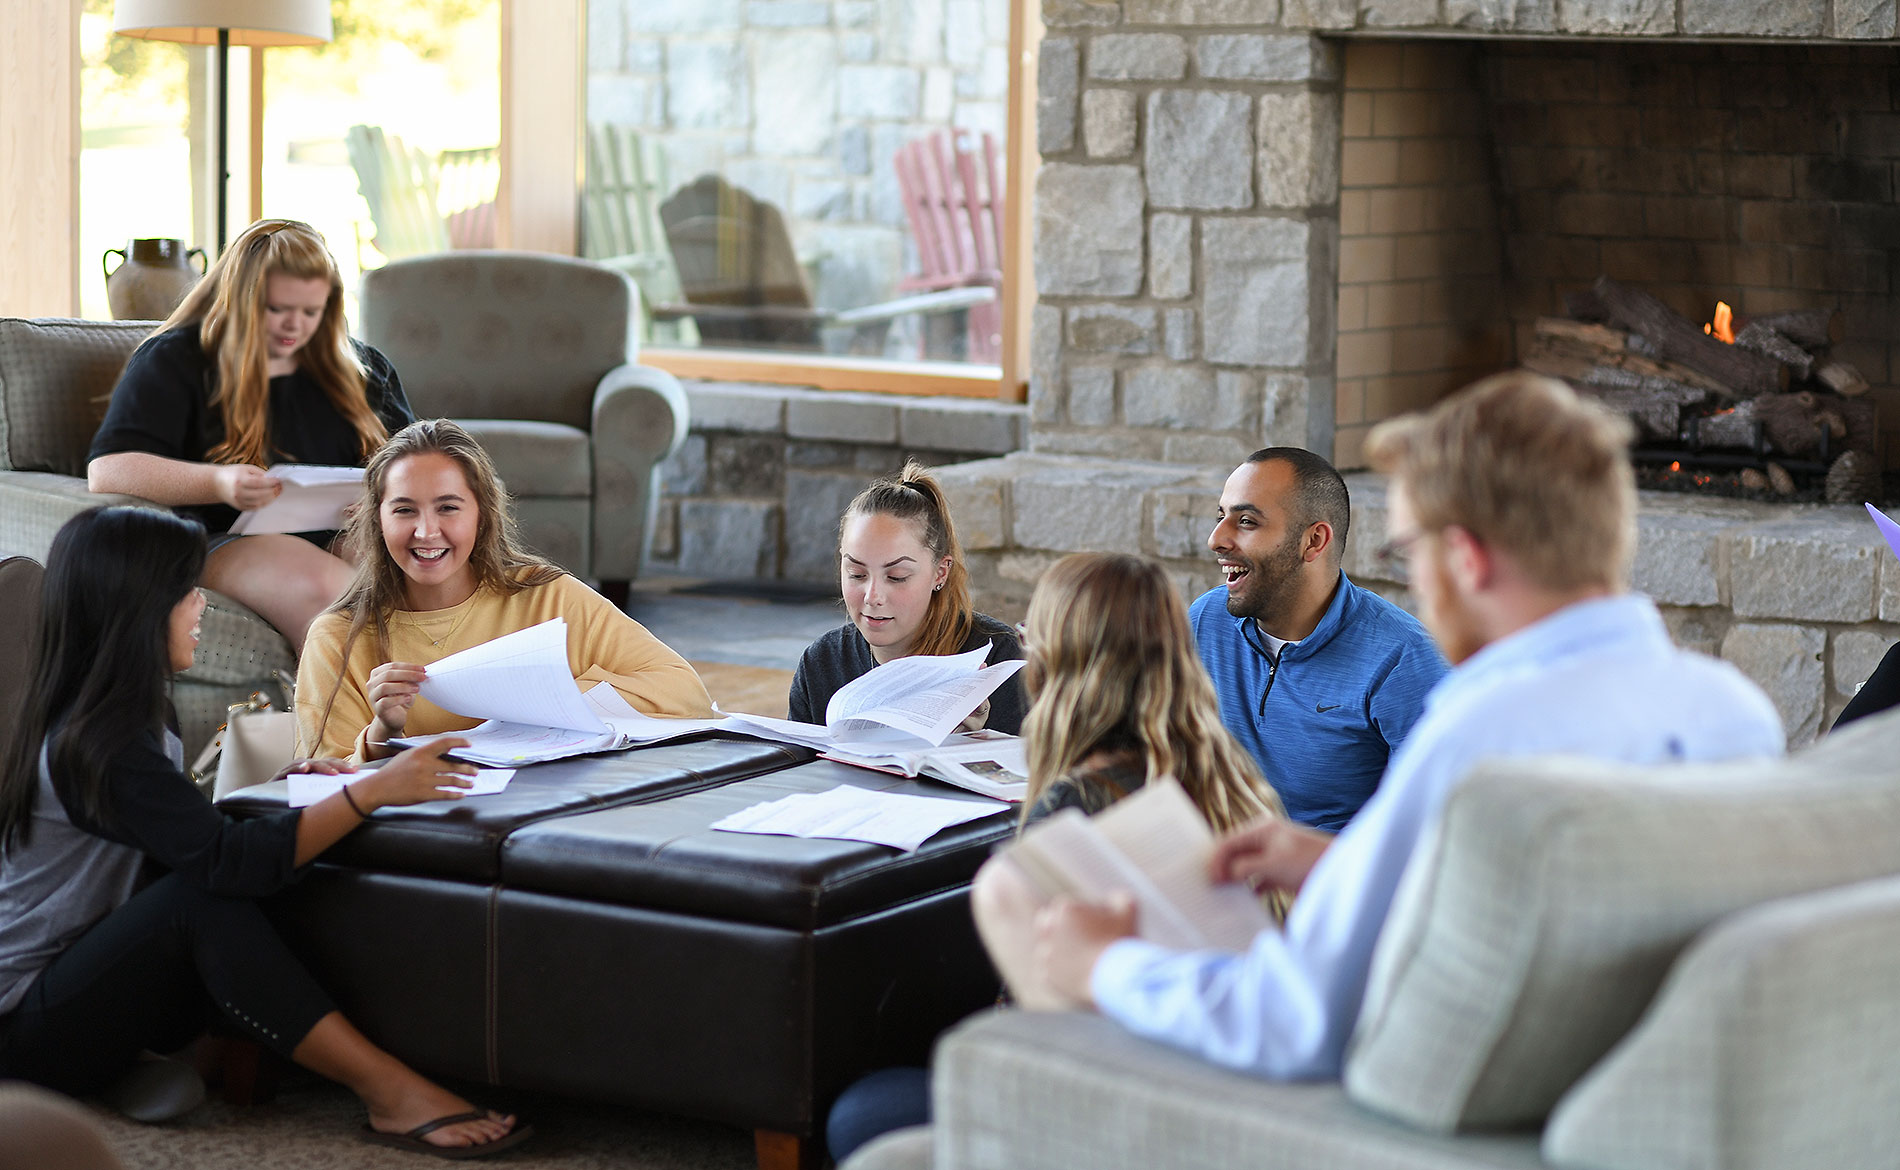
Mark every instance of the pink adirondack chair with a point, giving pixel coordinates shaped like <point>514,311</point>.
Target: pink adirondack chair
<point>953,193</point>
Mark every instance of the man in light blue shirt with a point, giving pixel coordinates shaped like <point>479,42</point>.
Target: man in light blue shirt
<point>1514,504</point>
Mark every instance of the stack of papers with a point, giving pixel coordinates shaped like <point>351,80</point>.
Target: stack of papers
<point>313,500</point>
<point>532,708</point>
<point>849,813</point>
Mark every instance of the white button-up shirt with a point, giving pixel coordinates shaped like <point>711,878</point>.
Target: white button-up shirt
<point>1599,678</point>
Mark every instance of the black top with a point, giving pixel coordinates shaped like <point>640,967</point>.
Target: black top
<point>843,654</point>
<point>1090,790</point>
<point>162,406</point>
<point>154,808</point>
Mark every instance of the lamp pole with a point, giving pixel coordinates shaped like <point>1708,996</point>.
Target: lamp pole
<point>224,129</point>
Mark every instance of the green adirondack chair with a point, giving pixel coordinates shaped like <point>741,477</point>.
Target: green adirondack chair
<point>620,226</point>
<point>398,183</point>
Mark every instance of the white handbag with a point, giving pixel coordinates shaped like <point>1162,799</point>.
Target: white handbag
<point>254,744</point>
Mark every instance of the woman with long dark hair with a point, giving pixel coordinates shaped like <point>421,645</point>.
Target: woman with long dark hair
<point>128,914</point>
<point>255,367</point>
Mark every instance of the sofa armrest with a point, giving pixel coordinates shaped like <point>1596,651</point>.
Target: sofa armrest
<point>33,505</point>
<point>1033,1090</point>
<point>1771,1045</point>
<point>640,417</point>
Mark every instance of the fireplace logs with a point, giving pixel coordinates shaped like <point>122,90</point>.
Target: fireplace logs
<point>1761,410</point>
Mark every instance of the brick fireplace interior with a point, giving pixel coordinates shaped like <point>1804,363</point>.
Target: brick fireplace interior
<point>1481,180</point>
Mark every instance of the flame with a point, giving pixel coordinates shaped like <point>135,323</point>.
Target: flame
<point>1723,327</point>
<point>1675,467</point>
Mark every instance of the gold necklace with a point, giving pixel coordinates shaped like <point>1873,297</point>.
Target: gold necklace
<point>449,633</point>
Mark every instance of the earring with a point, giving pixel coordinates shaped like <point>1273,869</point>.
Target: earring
<point>937,588</point>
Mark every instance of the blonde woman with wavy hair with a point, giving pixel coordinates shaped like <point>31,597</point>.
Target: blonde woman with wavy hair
<point>1119,698</point>
<point>255,367</point>
<point>441,571</point>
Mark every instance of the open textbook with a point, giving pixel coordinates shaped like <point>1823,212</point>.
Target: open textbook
<point>533,709</point>
<point>312,500</point>
<point>985,762</point>
<point>905,704</point>
<point>1156,846</point>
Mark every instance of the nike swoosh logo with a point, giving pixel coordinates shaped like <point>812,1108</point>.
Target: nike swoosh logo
<point>1322,708</point>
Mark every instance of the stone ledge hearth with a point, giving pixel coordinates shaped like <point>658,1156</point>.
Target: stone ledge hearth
<point>1804,599</point>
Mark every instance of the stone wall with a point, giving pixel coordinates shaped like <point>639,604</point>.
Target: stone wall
<point>757,489</point>
<point>1804,600</point>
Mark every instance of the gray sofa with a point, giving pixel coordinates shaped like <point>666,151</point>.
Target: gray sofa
<point>576,430</point>
<point>1589,966</point>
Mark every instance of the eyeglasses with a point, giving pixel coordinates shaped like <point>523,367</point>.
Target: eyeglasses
<point>1394,555</point>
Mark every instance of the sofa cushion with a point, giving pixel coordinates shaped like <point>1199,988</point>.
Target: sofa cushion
<point>1542,912</point>
<point>1060,1090</point>
<point>55,379</point>
<point>536,458</point>
<point>665,855</point>
<point>1771,1047</point>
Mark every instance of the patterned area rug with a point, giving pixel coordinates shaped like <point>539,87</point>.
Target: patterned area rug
<point>756,690</point>
<point>313,1125</point>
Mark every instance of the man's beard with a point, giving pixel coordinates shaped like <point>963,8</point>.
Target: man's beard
<point>1272,584</point>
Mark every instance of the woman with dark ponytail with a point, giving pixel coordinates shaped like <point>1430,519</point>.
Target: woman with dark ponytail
<point>128,914</point>
<point>906,591</point>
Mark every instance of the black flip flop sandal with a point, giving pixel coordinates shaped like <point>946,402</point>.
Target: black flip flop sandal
<point>414,1143</point>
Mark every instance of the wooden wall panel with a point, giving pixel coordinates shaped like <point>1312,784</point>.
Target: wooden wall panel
<point>39,158</point>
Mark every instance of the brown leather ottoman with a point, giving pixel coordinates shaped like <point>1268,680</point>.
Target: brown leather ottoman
<point>589,933</point>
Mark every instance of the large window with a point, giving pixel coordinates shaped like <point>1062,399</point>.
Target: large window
<point>384,139</point>
<point>820,178</point>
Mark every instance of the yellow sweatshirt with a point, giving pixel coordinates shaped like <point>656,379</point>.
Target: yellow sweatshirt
<point>603,644</point>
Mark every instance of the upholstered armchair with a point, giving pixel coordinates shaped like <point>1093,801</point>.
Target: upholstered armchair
<point>534,354</point>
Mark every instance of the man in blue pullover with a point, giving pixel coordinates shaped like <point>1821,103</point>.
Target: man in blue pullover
<point>1318,678</point>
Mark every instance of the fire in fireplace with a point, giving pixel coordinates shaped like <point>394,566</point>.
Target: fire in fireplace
<point>1759,410</point>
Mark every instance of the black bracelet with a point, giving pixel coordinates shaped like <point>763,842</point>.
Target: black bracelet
<point>354,807</point>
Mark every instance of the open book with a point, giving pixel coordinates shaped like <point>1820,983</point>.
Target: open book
<point>1156,846</point>
<point>533,709</point>
<point>903,705</point>
<point>312,500</point>
<point>985,762</point>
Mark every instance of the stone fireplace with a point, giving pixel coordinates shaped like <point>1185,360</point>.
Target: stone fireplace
<point>1277,221</point>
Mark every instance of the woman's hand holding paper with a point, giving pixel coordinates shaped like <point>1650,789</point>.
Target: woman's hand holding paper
<point>393,687</point>
<point>417,776</point>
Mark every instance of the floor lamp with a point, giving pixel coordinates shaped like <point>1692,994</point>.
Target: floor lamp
<point>251,23</point>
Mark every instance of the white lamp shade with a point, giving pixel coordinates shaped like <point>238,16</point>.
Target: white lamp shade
<point>250,22</point>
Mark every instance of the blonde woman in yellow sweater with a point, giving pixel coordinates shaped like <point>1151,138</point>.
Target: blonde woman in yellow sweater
<point>445,574</point>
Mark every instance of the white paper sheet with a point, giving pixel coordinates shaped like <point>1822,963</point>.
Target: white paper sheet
<point>521,677</point>
<point>312,500</point>
<point>307,788</point>
<point>850,813</point>
<point>636,727</point>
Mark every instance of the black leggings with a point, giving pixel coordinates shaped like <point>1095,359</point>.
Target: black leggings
<point>154,974</point>
<point>1879,692</point>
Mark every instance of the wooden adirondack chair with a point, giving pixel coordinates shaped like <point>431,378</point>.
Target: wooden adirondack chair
<point>953,194</point>
<point>620,218</point>
<point>744,285</point>
<point>466,182</point>
<point>399,185</point>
